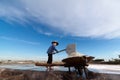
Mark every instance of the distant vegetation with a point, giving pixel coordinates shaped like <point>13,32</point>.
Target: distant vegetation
<point>110,61</point>
<point>113,61</point>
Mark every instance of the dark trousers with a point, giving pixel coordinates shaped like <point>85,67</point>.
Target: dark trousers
<point>49,59</point>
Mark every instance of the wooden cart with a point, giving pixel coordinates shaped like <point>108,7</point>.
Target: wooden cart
<point>79,63</point>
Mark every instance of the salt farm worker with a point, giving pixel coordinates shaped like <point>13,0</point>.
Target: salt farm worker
<point>51,51</point>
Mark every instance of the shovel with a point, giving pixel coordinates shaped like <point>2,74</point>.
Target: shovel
<point>69,49</point>
<point>59,51</point>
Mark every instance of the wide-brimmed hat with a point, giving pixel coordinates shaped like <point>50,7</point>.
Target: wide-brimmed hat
<point>55,42</point>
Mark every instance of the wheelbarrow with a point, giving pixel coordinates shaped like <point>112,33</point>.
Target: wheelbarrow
<point>77,60</point>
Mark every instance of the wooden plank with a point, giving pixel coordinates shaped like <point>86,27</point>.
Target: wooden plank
<point>53,64</point>
<point>68,62</point>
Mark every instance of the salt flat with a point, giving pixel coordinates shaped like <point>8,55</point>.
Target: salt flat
<point>104,68</point>
<point>100,68</point>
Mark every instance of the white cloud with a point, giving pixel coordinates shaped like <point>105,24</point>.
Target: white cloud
<point>42,32</point>
<point>82,18</point>
<point>19,40</point>
<point>117,52</point>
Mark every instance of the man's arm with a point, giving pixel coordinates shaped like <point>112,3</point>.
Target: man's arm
<point>55,49</point>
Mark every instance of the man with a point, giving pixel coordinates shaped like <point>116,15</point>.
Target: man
<point>51,51</point>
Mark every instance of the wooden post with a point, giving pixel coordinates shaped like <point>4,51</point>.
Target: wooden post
<point>79,70</point>
<point>86,72</point>
<point>69,70</point>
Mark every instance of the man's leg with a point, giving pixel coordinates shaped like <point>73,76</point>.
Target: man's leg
<point>49,59</point>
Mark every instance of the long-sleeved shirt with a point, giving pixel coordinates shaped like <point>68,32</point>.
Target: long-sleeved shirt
<point>51,49</point>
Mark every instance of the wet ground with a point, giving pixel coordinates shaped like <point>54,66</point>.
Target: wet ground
<point>32,72</point>
<point>10,74</point>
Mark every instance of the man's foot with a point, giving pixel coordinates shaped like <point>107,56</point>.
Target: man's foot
<point>50,68</point>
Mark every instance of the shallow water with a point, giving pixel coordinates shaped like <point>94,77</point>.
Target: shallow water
<point>110,69</point>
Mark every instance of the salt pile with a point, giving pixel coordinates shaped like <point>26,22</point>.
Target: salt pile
<point>71,51</point>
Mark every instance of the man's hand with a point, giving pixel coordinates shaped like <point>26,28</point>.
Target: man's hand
<point>57,51</point>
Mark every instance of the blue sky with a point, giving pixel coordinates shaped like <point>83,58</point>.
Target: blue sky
<point>27,28</point>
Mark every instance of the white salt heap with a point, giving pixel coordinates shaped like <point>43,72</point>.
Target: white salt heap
<point>71,51</point>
